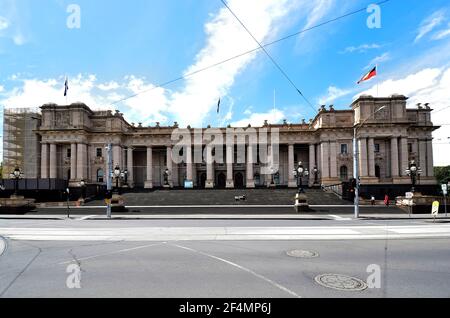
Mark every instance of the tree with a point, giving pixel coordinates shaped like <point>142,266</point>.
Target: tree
<point>442,174</point>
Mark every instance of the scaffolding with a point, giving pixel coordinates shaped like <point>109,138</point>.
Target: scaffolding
<point>20,141</point>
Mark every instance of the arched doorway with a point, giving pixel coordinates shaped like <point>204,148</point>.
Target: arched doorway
<point>221,180</point>
<point>202,180</point>
<point>344,173</point>
<point>238,180</point>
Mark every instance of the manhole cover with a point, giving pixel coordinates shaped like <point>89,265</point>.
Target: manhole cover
<point>341,282</point>
<point>302,254</point>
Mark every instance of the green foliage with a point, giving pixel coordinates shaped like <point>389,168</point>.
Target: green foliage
<point>442,174</point>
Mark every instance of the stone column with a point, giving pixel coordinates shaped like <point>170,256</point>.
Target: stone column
<point>394,158</point>
<point>324,154</point>
<point>430,172</point>
<point>149,182</point>
<point>189,170</point>
<point>209,184</point>
<point>423,156</point>
<point>333,160</point>
<point>404,164</point>
<point>53,162</point>
<point>73,161</point>
<point>130,177</point>
<point>292,183</point>
<point>169,165</point>
<point>81,161</point>
<point>363,171</point>
<point>44,161</point>
<point>312,163</point>
<point>250,180</point>
<point>230,156</point>
<point>116,156</point>
<point>371,150</point>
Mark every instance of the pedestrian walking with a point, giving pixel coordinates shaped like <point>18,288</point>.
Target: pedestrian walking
<point>386,200</point>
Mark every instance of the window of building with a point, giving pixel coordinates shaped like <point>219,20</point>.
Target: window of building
<point>99,152</point>
<point>69,152</point>
<point>377,148</point>
<point>100,175</point>
<point>344,149</point>
<point>344,173</point>
<point>377,171</point>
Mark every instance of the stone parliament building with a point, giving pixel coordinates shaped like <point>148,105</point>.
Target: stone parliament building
<point>69,144</point>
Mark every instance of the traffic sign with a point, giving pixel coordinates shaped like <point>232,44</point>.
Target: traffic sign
<point>435,208</point>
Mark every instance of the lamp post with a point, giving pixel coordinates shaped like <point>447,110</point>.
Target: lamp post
<point>83,189</point>
<point>356,160</point>
<point>316,173</point>
<point>166,177</point>
<point>299,173</point>
<point>413,171</point>
<point>16,175</point>
<point>117,174</point>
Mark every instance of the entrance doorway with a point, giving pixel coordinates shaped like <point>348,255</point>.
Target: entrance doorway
<point>238,180</point>
<point>202,180</point>
<point>221,180</point>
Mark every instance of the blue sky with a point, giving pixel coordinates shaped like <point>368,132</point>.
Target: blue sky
<point>123,48</point>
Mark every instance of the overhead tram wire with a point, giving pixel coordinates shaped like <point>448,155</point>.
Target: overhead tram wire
<point>245,53</point>
<point>269,56</point>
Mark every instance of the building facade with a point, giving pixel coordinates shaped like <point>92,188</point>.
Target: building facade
<point>72,142</point>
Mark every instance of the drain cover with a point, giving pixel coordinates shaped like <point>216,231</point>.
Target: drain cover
<point>302,254</point>
<point>341,282</point>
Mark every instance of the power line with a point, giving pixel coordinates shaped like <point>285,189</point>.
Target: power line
<point>269,56</point>
<point>439,110</point>
<point>245,53</point>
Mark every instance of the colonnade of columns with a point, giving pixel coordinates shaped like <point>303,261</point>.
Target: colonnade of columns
<point>323,156</point>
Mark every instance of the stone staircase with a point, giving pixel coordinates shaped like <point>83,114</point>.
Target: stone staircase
<point>226,197</point>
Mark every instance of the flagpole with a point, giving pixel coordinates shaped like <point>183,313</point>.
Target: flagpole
<point>377,80</point>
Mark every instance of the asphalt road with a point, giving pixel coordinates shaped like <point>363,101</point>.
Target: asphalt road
<point>238,266</point>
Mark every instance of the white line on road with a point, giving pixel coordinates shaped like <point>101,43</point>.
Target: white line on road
<point>87,217</point>
<point>112,253</point>
<point>339,218</point>
<point>241,268</point>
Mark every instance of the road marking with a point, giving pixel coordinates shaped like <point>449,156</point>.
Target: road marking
<point>2,246</point>
<point>339,218</point>
<point>224,233</point>
<point>112,253</point>
<point>87,217</point>
<point>241,268</point>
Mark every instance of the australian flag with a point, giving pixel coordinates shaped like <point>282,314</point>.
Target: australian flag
<point>66,86</point>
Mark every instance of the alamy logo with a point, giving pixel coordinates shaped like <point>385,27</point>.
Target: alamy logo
<point>374,19</point>
<point>74,18</point>
<point>374,279</point>
<point>73,281</point>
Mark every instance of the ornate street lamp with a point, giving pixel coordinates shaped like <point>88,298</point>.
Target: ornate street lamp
<point>413,171</point>
<point>299,173</point>
<point>316,173</point>
<point>166,177</point>
<point>119,175</point>
<point>16,175</point>
<point>83,189</point>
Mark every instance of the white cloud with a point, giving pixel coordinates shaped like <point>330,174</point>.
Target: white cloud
<point>429,24</point>
<point>430,85</point>
<point>108,86</point>
<point>333,94</point>
<point>379,59</point>
<point>441,34</point>
<point>257,119</point>
<point>1,88</point>
<point>361,48</point>
<point>4,23</point>
<point>225,37</point>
